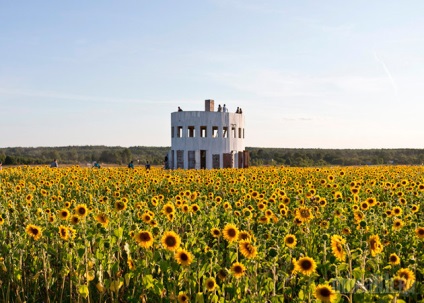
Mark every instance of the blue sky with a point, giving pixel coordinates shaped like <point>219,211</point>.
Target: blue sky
<point>308,74</point>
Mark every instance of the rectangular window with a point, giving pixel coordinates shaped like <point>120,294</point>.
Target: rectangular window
<point>203,130</point>
<point>190,132</point>
<point>243,133</point>
<point>239,132</point>
<point>215,161</point>
<point>225,132</point>
<point>180,159</point>
<point>214,131</point>
<point>180,132</point>
<point>233,131</point>
<point>172,132</point>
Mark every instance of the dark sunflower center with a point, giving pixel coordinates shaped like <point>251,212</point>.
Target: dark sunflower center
<point>238,269</point>
<point>325,292</point>
<point>145,237</point>
<point>231,232</point>
<point>81,211</point>
<point>184,257</point>
<point>306,264</point>
<point>290,240</point>
<point>304,213</point>
<point>170,241</point>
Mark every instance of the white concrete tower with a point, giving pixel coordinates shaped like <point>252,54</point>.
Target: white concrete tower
<point>207,139</point>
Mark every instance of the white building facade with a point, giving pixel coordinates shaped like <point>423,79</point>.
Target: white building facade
<point>207,139</point>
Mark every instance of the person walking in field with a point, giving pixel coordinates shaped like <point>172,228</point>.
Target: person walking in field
<point>54,163</point>
<point>131,164</point>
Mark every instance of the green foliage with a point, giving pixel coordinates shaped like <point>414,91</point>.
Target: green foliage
<point>328,157</point>
<point>258,156</point>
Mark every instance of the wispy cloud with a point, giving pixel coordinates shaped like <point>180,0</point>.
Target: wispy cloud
<point>387,71</point>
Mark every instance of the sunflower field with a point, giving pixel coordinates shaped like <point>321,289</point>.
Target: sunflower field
<point>262,234</point>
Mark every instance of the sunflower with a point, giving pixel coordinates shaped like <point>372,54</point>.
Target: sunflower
<point>375,245</point>
<point>102,219</point>
<point>185,208</point>
<point>264,220</point>
<point>247,249</point>
<point>420,232</point>
<point>183,298</point>
<point>144,238</point>
<point>63,232</point>
<point>397,211</point>
<point>210,284</point>
<point>365,205</point>
<point>81,210</point>
<point>399,284</point>
<point>230,232</point>
<point>170,217</point>
<point>398,224</point>
<point>305,266</point>
<point>120,205</point>
<point>1,220</point>
<point>337,247</point>
<point>415,208</point>
<point>75,219</point>
<point>238,270</point>
<point>408,275</point>
<point>215,232</point>
<point>194,208</point>
<point>371,201</point>
<point>322,202</point>
<point>244,235</point>
<point>146,217</point>
<point>171,241</point>
<point>34,231</point>
<point>324,224</point>
<point>290,241</point>
<point>131,264</point>
<point>227,205</point>
<point>183,257</point>
<point>358,216</point>
<point>64,214</point>
<point>29,198</point>
<point>346,231</point>
<point>325,293</point>
<point>222,274</point>
<point>168,208</point>
<point>394,259</point>
<point>303,214</point>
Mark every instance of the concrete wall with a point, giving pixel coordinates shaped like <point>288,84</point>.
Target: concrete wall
<point>181,122</point>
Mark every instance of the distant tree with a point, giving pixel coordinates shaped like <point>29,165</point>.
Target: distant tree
<point>9,160</point>
<point>126,155</point>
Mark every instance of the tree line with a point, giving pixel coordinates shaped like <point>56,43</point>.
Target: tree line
<point>258,156</point>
